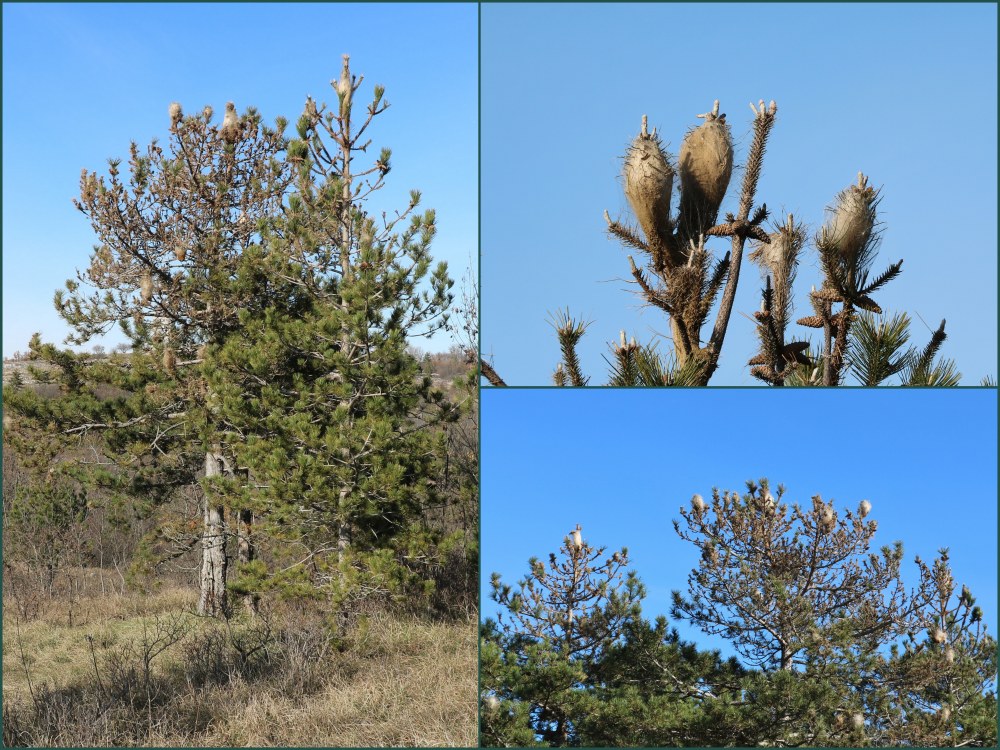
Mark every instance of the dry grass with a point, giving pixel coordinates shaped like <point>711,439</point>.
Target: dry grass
<point>391,682</point>
<point>404,684</point>
<point>58,653</point>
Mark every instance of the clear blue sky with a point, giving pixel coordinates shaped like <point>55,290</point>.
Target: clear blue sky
<point>905,92</point>
<point>622,462</point>
<point>80,81</point>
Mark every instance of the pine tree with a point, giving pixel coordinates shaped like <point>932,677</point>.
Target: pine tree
<point>563,616</point>
<point>947,669</point>
<point>345,456</point>
<point>806,568</point>
<point>572,661</point>
<point>802,599</point>
<point>171,239</point>
<point>268,356</point>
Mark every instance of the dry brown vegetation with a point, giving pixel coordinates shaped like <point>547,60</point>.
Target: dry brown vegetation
<point>283,679</point>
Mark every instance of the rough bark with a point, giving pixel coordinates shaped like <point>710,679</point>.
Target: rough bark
<point>490,374</point>
<point>213,547</point>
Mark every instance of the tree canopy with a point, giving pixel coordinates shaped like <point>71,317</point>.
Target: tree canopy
<point>831,647</point>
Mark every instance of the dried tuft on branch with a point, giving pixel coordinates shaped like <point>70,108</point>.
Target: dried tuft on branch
<point>146,288</point>
<point>649,181</point>
<point>853,219</point>
<point>230,130</point>
<point>706,165</point>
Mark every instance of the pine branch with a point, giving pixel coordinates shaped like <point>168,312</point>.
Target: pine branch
<point>773,352</point>
<point>763,124</point>
<point>840,343</point>
<point>760,215</point>
<point>653,296</point>
<point>884,278</point>
<point>626,234</point>
<point>569,333</point>
<point>487,371</point>
<point>625,371</point>
<point>923,363</point>
<point>878,348</point>
<point>711,290</point>
<point>738,228</point>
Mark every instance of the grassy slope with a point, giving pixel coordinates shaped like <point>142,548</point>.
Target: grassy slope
<point>400,682</point>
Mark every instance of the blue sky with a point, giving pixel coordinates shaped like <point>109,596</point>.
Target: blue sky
<point>904,92</point>
<point>82,80</point>
<point>622,462</point>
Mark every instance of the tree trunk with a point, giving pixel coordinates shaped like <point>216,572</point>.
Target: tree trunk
<point>562,732</point>
<point>343,531</point>
<point>213,548</point>
<point>346,220</point>
<point>244,531</point>
<point>245,551</point>
<point>787,665</point>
